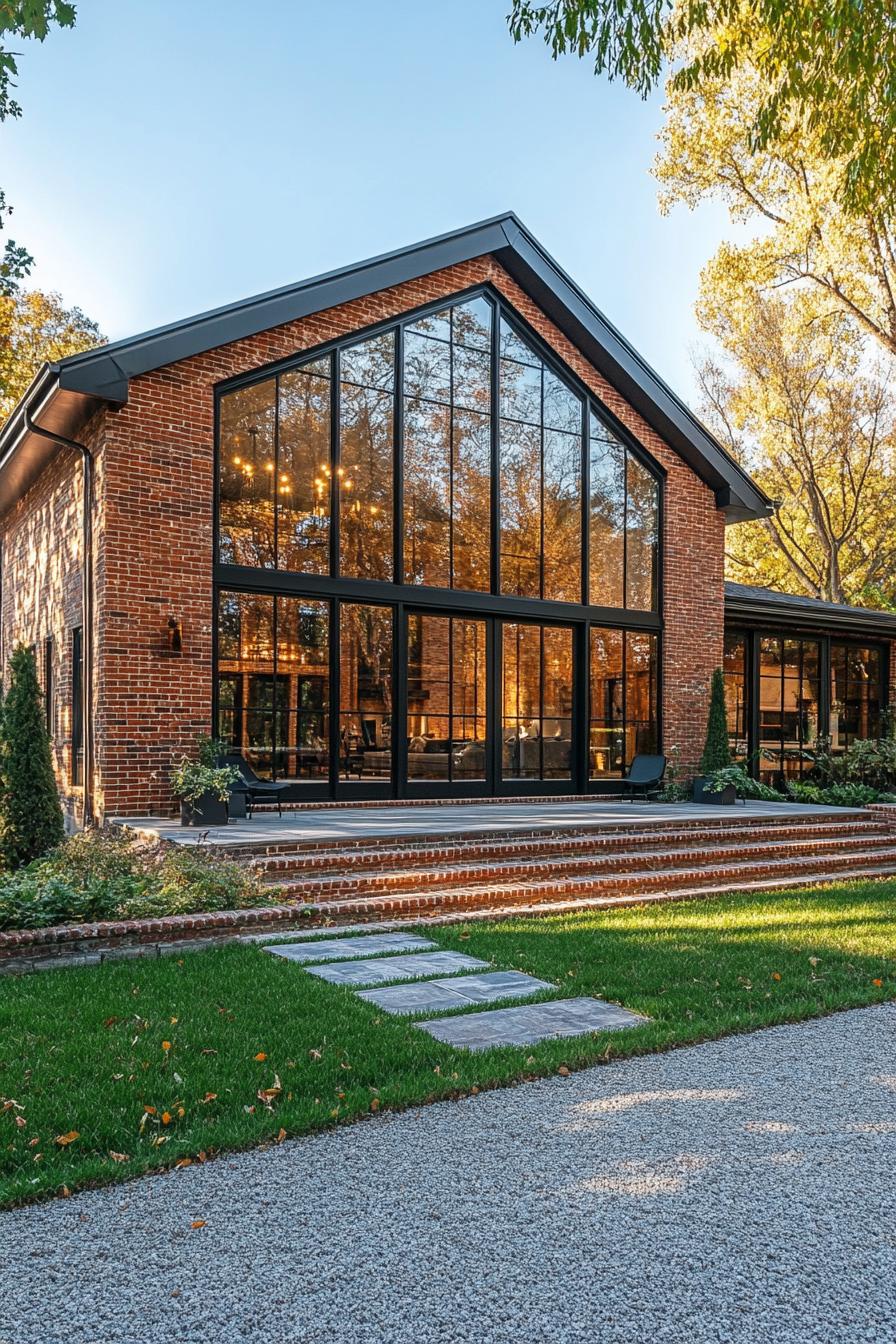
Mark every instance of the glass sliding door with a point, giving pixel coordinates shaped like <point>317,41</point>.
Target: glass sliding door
<point>447,701</point>
<point>365,693</point>
<point>789,691</point>
<point>536,701</point>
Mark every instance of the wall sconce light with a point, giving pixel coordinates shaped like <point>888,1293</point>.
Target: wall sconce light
<point>175,635</point>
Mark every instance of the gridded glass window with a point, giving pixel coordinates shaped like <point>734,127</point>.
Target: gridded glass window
<point>447,456</point>
<point>736,701</point>
<point>273,683</point>
<point>624,524</point>
<point>788,704</point>
<point>856,693</point>
<point>366,453</point>
<point>248,468</point>
<point>624,697</point>
<point>447,698</point>
<point>540,476</point>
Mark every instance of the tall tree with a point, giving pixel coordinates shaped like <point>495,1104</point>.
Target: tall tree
<point>35,327</point>
<point>797,400</point>
<point>830,63</point>
<point>21,19</point>
<point>30,814</point>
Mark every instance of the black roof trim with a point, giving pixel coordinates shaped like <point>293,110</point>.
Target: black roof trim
<point>765,606</point>
<point>104,373</point>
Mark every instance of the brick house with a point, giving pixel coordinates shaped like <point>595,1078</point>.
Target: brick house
<point>424,526</point>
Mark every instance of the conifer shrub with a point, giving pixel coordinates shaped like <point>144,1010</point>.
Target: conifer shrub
<point>31,820</point>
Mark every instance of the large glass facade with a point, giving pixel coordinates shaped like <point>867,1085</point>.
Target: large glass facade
<point>856,693</point>
<point>736,690</point>
<point>414,501</point>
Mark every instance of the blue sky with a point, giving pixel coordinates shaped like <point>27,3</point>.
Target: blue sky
<point>174,156</point>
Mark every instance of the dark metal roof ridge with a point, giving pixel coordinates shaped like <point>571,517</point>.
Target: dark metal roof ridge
<point>767,605</point>
<point>104,373</point>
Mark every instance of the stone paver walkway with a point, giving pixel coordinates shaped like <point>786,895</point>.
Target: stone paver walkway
<point>449,990</point>
<point>458,992</point>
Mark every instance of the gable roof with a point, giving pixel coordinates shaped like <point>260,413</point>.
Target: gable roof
<point>766,606</point>
<point>84,381</point>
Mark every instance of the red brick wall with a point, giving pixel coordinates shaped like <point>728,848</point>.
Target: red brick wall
<point>42,591</point>
<point>155,547</point>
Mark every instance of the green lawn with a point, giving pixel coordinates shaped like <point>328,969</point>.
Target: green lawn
<point>153,1062</point>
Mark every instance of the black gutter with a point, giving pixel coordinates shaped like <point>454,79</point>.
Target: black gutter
<point>86,602</point>
<point>758,612</point>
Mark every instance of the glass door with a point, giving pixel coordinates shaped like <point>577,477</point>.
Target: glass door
<point>537,696</point>
<point>447,732</point>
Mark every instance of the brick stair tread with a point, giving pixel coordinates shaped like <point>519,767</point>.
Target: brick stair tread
<point>868,862</point>
<point>473,872</point>
<point>453,851</point>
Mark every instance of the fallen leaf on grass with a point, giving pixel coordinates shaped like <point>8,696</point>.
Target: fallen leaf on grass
<point>268,1095</point>
<point>166,1046</point>
<point>878,983</point>
<point>183,1162</point>
<point>563,1071</point>
<point>63,1140</point>
<point>776,975</point>
<point>119,1157</point>
<point>261,1057</point>
<point>209,1096</point>
<point>375,1104</point>
<point>281,1135</point>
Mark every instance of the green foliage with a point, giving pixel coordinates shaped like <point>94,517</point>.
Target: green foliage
<point>192,779</point>
<point>745,785</point>
<point>716,752</point>
<point>835,795</point>
<point>826,64</point>
<point>21,19</point>
<point>100,875</point>
<point>31,819</point>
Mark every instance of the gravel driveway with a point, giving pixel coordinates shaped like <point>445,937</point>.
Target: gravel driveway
<point>737,1191</point>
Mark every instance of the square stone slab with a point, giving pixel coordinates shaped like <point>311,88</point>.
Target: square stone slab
<point>528,1023</point>
<point>334,949</point>
<point>463,990</point>
<point>376,971</point>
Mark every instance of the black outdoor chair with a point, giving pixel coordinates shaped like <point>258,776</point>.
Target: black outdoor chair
<point>645,774</point>
<point>256,790</point>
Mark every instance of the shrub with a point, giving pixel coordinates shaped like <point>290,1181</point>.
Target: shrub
<point>191,780</point>
<point>745,785</point>
<point>102,875</point>
<point>31,819</point>
<point>716,752</point>
<point>835,795</point>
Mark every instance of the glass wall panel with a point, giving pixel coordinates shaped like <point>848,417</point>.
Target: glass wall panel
<point>447,726</point>
<point>856,693</point>
<point>788,703</point>
<point>520,485</point>
<point>641,536</point>
<point>540,476</point>
<point>606,736</point>
<point>364,474</point>
<point>447,455</point>
<point>427,492</point>
<point>247,470</point>
<point>606,517</point>
<point>640,694</point>
<point>303,470</point>
<point>273,683</point>
<point>365,692</point>
<point>736,700</point>
<point>537,680</point>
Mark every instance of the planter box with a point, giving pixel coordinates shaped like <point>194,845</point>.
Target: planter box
<point>727,797</point>
<point>206,811</point>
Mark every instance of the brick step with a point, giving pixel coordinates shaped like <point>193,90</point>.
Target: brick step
<point>352,882</point>
<point>616,902</point>
<point>633,818</point>
<point>394,854</point>
<point>729,876</point>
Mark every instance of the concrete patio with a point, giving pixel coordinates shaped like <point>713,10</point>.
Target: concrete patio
<point>354,823</point>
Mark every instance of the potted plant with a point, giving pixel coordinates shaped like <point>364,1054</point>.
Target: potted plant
<point>716,753</point>
<point>203,786</point>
